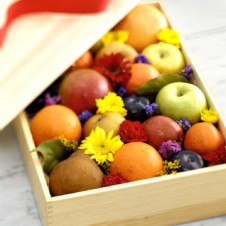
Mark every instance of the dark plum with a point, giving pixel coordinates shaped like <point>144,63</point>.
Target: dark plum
<point>189,160</point>
<point>135,106</point>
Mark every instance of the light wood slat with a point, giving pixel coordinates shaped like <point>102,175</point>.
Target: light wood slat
<point>38,49</point>
<point>33,166</point>
<point>147,201</point>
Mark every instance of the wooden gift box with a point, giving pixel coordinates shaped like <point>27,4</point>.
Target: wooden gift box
<point>166,200</point>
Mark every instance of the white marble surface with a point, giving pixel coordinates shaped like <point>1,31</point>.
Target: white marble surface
<point>202,23</point>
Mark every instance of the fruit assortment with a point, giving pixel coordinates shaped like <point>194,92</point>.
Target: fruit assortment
<point>128,109</point>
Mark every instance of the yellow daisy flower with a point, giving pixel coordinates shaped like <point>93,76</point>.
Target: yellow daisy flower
<point>170,36</point>
<point>209,115</point>
<point>111,103</point>
<point>115,36</point>
<point>101,146</point>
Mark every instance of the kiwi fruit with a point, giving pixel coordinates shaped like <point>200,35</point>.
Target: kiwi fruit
<point>77,173</point>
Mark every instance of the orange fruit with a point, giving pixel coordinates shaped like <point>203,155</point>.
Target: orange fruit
<point>140,73</point>
<point>203,137</point>
<point>84,61</point>
<point>142,23</point>
<point>137,161</point>
<point>53,121</point>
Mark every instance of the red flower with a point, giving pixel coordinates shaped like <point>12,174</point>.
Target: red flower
<point>113,179</point>
<point>216,157</point>
<point>114,67</point>
<point>131,131</point>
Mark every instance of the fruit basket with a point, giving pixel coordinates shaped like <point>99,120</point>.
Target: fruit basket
<point>165,200</point>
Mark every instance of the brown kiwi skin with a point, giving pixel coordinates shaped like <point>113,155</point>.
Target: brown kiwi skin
<point>75,174</point>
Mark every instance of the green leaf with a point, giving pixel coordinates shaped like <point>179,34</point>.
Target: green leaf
<point>154,85</point>
<point>51,152</point>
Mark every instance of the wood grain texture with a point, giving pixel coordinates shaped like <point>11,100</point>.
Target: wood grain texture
<point>146,202</point>
<point>167,200</point>
<point>33,165</point>
<point>39,48</point>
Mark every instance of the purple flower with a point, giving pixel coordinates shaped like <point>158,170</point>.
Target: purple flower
<point>121,91</point>
<point>141,58</point>
<point>85,115</point>
<point>51,99</point>
<point>184,124</point>
<point>188,69</point>
<point>168,148</point>
<point>186,73</point>
<point>152,109</point>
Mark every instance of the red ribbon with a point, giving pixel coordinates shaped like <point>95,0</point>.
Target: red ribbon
<point>22,7</point>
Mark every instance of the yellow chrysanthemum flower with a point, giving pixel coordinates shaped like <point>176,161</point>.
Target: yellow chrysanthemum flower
<point>111,103</point>
<point>170,36</point>
<point>101,146</point>
<point>209,115</point>
<point>115,36</point>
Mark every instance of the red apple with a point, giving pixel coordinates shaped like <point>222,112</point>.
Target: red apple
<point>162,128</point>
<point>80,88</point>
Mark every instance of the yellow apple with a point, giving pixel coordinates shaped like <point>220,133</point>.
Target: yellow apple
<point>128,52</point>
<point>107,121</point>
<point>166,58</point>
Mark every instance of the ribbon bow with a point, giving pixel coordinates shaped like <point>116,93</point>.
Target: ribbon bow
<point>21,7</point>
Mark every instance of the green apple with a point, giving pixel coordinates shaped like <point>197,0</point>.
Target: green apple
<point>128,52</point>
<point>107,121</point>
<point>180,100</point>
<point>166,58</point>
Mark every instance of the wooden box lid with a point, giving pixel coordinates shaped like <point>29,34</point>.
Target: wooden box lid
<point>38,48</point>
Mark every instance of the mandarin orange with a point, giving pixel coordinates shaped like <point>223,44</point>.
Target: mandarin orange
<point>137,161</point>
<point>53,121</point>
<point>84,61</point>
<point>140,73</point>
<point>203,137</point>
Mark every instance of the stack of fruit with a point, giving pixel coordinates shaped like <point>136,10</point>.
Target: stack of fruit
<point>127,110</point>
